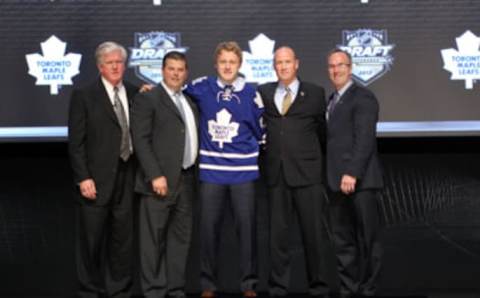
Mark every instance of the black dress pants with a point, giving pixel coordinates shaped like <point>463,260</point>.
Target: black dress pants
<point>165,236</point>
<point>308,203</point>
<point>104,241</point>
<point>355,221</point>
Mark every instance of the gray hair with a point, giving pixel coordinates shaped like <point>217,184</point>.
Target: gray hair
<point>106,48</point>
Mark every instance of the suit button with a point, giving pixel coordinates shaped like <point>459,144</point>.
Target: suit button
<point>182,130</point>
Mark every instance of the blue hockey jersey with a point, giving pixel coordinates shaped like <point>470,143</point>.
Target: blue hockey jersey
<point>230,129</point>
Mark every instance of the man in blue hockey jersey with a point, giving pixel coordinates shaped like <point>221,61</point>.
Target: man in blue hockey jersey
<point>230,132</point>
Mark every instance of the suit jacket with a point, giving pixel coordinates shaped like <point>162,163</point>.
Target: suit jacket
<point>158,133</point>
<point>95,136</point>
<point>294,140</point>
<point>351,140</point>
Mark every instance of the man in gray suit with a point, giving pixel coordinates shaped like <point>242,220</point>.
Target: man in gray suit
<point>354,178</point>
<point>164,131</point>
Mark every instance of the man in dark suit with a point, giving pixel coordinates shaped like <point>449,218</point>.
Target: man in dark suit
<point>164,128</point>
<point>354,178</point>
<point>294,117</point>
<point>103,168</point>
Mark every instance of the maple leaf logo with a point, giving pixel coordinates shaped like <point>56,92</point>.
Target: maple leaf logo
<point>54,68</point>
<point>222,131</point>
<point>464,64</point>
<point>257,66</point>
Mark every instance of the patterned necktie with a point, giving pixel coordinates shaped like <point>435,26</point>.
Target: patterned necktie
<point>187,153</point>
<point>331,103</point>
<point>122,120</point>
<point>287,101</point>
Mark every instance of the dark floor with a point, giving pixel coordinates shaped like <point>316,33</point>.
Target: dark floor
<point>263,295</point>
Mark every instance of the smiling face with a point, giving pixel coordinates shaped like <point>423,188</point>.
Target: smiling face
<point>112,67</point>
<point>286,65</point>
<point>174,73</point>
<point>339,69</point>
<point>227,65</point>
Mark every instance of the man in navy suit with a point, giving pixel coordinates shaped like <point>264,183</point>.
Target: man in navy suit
<point>103,168</point>
<point>354,178</point>
<point>294,117</point>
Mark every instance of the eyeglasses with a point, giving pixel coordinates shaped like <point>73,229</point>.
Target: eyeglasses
<point>339,65</point>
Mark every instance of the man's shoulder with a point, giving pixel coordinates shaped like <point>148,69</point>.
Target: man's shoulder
<point>201,81</point>
<point>361,91</point>
<point>89,90</point>
<point>267,87</point>
<point>130,87</point>
<point>363,96</point>
<point>305,85</point>
<point>199,86</point>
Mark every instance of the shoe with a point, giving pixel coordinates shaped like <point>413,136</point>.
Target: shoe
<point>249,294</point>
<point>207,294</point>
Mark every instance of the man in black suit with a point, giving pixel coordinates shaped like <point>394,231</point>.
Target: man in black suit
<point>354,178</point>
<point>164,128</point>
<point>294,117</point>
<point>103,168</point>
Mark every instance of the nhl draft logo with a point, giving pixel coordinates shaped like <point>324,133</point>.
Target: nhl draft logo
<point>464,63</point>
<point>370,51</point>
<point>53,67</point>
<point>147,55</point>
<point>222,130</point>
<point>257,66</point>
<point>227,94</point>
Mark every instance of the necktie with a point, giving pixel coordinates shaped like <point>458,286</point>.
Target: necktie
<point>287,101</point>
<point>122,120</point>
<point>187,153</point>
<point>331,103</point>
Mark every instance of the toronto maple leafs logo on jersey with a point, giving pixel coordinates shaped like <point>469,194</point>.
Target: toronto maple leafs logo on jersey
<point>53,67</point>
<point>221,129</point>
<point>147,55</point>
<point>227,94</point>
<point>464,64</point>
<point>371,53</point>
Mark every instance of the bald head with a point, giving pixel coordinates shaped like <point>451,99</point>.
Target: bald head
<point>286,65</point>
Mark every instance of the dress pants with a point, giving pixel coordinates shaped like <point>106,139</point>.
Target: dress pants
<point>214,200</point>
<point>104,241</point>
<point>165,236</point>
<point>355,221</point>
<point>309,204</point>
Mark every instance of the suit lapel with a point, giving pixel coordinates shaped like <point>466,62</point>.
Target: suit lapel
<point>166,100</point>
<point>344,99</point>
<point>270,98</point>
<point>299,99</point>
<point>102,94</point>
<point>131,92</point>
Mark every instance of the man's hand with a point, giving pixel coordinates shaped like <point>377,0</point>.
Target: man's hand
<point>146,87</point>
<point>88,189</point>
<point>160,186</point>
<point>347,185</point>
